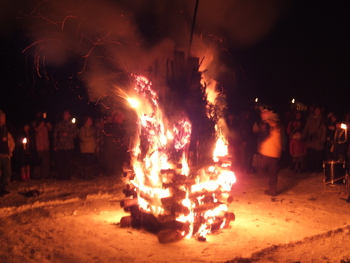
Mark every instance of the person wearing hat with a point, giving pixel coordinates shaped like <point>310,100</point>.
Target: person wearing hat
<point>7,146</point>
<point>270,150</point>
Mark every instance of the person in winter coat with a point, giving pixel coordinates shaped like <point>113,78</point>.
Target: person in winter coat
<point>42,141</point>
<point>330,121</point>
<point>339,147</point>
<point>270,150</point>
<point>314,134</point>
<point>87,144</point>
<point>248,142</point>
<point>64,134</point>
<point>297,150</point>
<point>295,124</point>
<point>27,153</point>
<point>7,146</point>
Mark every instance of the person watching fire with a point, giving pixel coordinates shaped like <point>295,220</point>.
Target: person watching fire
<point>42,129</point>
<point>87,145</point>
<point>270,149</point>
<point>115,143</point>
<point>7,146</point>
<point>64,134</point>
<point>314,133</point>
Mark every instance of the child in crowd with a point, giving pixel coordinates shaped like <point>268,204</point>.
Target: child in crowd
<point>297,150</point>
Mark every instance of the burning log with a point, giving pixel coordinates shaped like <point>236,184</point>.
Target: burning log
<point>129,193</point>
<point>168,201</point>
<point>126,221</point>
<point>229,216</point>
<point>178,193</point>
<point>176,225</point>
<point>167,172</point>
<point>134,209</point>
<point>148,198</point>
<point>181,209</point>
<point>221,196</point>
<point>224,198</point>
<point>180,178</point>
<point>177,184</point>
<point>128,202</point>
<point>217,224</point>
<point>166,218</point>
<point>169,235</point>
<point>196,194</point>
<point>206,207</point>
<point>129,175</point>
<point>226,217</point>
<point>146,220</point>
<point>130,186</point>
<point>207,199</point>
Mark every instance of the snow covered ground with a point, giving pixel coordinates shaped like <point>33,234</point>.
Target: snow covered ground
<point>78,221</point>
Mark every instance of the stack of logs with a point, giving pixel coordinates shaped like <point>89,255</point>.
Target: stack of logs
<point>165,225</point>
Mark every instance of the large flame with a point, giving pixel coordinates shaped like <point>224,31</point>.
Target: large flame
<point>154,166</point>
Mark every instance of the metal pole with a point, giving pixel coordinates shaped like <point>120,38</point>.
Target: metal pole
<point>193,23</point>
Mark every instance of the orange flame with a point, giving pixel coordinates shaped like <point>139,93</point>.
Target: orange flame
<point>156,139</point>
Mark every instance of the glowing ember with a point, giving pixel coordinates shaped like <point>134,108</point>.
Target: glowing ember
<point>171,199</point>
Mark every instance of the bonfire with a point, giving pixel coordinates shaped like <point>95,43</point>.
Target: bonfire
<point>162,193</point>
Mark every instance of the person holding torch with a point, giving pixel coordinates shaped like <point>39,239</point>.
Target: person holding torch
<point>26,150</point>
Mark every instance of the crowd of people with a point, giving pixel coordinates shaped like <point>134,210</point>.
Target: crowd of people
<point>301,141</point>
<point>41,147</point>
<point>259,141</point>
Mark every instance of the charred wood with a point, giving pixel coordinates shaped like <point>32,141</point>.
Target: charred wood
<point>147,221</point>
<point>169,235</point>
<point>178,193</point>
<point>177,184</point>
<point>129,193</point>
<point>149,199</point>
<point>128,202</point>
<point>176,225</point>
<point>178,208</point>
<point>229,216</point>
<point>133,210</point>
<point>224,198</point>
<point>203,193</point>
<point>163,218</point>
<point>217,224</point>
<point>168,201</point>
<point>129,175</point>
<point>130,186</point>
<point>206,207</point>
<point>126,221</point>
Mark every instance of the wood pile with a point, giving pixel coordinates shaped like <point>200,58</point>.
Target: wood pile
<point>166,223</point>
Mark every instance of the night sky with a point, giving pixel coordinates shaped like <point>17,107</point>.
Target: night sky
<point>274,50</point>
<point>306,57</point>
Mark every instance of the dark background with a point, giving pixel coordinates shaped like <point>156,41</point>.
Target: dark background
<point>305,55</point>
